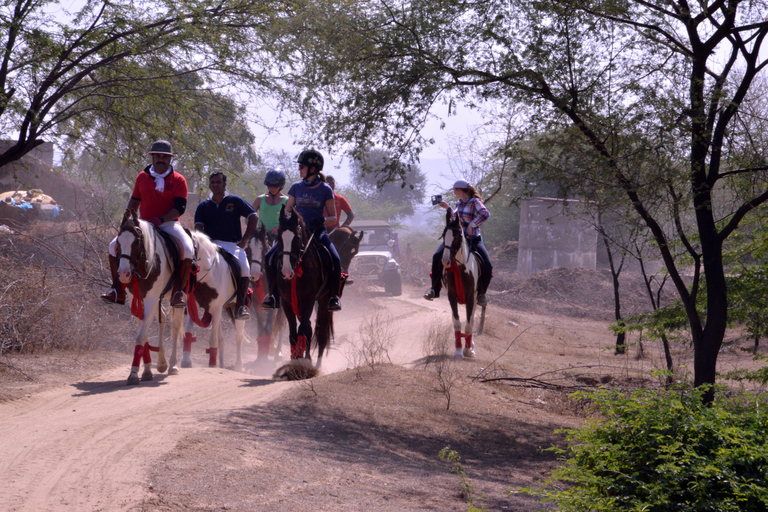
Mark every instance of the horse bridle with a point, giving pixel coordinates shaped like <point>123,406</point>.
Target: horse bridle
<point>457,240</point>
<point>134,262</point>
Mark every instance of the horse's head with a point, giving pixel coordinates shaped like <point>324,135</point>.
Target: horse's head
<point>256,250</point>
<point>132,245</point>
<point>348,244</point>
<point>453,238</point>
<point>290,239</point>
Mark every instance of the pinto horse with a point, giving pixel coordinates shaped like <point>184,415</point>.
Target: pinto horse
<point>269,323</point>
<point>213,292</point>
<point>347,243</point>
<point>145,266</point>
<point>302,281</point>
<point>461,272</point>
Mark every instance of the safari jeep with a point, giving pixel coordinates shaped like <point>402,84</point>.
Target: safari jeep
<point>374,261</point>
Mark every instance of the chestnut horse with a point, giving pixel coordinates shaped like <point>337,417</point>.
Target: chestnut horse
<point>461,271</point>
<point>146,268</point>
<point>301,282</point>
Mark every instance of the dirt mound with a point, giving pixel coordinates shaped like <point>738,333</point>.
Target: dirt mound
<point>577,292</point>
<point>506,251</point>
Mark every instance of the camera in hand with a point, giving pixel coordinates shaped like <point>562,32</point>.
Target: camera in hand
<point>436,199</point>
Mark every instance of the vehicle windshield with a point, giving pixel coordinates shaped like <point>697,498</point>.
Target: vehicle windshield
<point>376,239</point>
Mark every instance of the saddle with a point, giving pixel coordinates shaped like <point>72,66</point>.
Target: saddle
<point>174,256</point>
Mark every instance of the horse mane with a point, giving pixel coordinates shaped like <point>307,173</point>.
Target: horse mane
<point>292,225</point>
<point>206,245</point>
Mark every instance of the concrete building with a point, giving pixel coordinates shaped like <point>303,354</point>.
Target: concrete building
<point>555,233</point>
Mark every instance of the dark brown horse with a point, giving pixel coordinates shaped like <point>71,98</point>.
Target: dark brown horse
<point>347,243</point>
<point>301,282</point>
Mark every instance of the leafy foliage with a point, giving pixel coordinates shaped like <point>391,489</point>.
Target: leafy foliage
<point>665,451</point>
<point>385,200</point>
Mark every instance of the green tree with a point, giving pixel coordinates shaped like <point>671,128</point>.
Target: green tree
<point>397,198</point>
<point>57,72</point>
<point>629,80</point>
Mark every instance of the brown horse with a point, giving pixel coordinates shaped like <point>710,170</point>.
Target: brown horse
<point>347,243</point>
<point>301,282</point>
<point>461,271</point>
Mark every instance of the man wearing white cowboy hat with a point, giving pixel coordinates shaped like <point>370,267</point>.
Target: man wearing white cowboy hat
<point>160,194</point>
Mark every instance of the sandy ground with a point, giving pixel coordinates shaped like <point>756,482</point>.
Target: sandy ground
<point>358,437</point>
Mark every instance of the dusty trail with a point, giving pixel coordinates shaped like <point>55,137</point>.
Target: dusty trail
<point>90,445</point>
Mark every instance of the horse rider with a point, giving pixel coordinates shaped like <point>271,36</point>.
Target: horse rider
<point>342,205</point>
<point>219,218</point>
<point>268,205</point>
<point>472,213</point>
<point>160,194</point>
<point>312,197</point>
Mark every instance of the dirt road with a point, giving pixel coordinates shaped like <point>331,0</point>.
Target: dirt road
<point>90,445</point>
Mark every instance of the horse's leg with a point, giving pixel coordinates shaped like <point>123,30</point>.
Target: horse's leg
<point>469,347</point>
<point>322,331</point>
<point>456,324</point>
<point>221,345</point>
<point>264,319</point>
<point>177,331</point>
<point>141,346</point>
<point>278,328</point>
<point>239,334</point>
<point>162,363</point>
<point>292,332</point>
<point>213,345</point>
<point>304,339</point>
<point>189,338</point>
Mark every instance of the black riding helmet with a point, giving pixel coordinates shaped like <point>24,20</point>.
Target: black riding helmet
<point>275,178</point>
<point>311,158</point>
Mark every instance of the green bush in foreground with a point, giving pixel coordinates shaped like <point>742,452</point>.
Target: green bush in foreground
<point>665,451</point>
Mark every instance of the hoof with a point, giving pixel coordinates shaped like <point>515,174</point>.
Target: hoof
<point>458,354</point>
<point>469,352</point>
<point>174,370</point>
<point>147,375</point>
<point>133,379</point>
<point>162,368</point>
<point>186,364</point>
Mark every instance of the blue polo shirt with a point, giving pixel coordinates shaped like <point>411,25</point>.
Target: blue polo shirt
<point>310,202</point>
<point>222,221</point>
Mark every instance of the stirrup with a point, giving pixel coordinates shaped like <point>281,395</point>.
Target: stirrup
<point>243,313</point>
<point>334,304</point>
<point>482,300</point>
<point>110,297</point>
<point>178,300</point>
<point>269,302</point>
<point>431,294</point>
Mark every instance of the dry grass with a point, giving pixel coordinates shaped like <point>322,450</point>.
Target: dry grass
<point>49,285</point>
<point>437,350</point>
<point>377,334</point>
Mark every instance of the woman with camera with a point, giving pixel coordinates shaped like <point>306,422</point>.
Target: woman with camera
<point>472,213</point>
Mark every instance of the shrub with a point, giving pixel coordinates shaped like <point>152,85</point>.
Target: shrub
<point>666,451</point>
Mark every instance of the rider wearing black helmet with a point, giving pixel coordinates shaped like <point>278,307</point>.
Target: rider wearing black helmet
<point>312,197</point>
<point>268,205</point>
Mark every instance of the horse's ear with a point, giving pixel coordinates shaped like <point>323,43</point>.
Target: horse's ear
<point>360,236</point>
<point>282,214</point>
<point>447,216</point>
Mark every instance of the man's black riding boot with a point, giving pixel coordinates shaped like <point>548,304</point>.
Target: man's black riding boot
<point>241,310</point>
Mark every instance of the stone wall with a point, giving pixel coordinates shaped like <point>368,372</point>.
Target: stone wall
<point>555,233</point>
